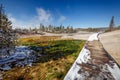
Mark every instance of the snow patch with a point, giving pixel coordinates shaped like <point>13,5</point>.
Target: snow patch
<point>21,57</point>
<point>93,37</point>
<point>115,71</point>
<point>83,57</point>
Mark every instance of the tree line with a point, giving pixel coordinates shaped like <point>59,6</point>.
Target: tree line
<point>42,28</point>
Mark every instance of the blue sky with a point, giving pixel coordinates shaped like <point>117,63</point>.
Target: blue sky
<point>77,13</point>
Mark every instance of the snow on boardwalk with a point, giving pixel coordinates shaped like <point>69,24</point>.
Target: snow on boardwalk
<point>93,63</point>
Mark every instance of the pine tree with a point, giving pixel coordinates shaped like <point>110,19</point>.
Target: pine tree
<point>42,28</point>
<point>7,35</point>
<point>111,24</point>
<point>50,28</point>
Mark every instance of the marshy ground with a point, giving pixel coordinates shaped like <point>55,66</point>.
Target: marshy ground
<point>54,58</point>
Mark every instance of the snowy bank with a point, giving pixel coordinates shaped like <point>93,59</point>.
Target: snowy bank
<point>93,63</point>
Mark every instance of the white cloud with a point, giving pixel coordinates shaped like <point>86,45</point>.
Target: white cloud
<point>19,23</point>
<point>44,16</point>
<point>12,19</point>
<point>61,18</point>
<point>16,23</point>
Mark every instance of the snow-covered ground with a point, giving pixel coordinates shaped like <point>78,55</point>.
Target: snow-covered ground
<point>84,57</point>
<point>73,72</point>
<point>93,37</point>
<point>21,57</point>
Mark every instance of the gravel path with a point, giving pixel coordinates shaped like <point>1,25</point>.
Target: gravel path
<point>111,43</point>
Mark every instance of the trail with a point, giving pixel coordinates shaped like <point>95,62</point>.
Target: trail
<point>94,63</point>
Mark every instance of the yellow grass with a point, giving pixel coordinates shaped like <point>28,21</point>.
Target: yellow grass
<point>40,38</point>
